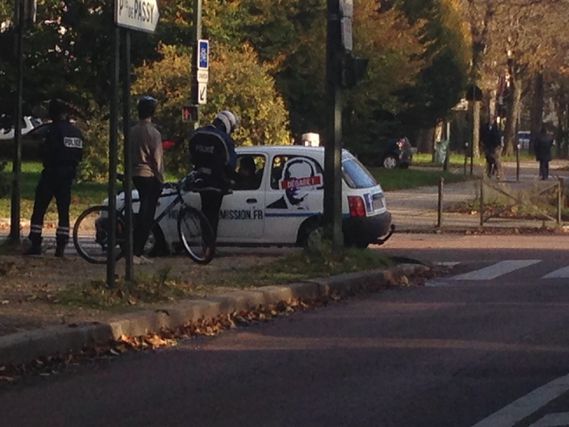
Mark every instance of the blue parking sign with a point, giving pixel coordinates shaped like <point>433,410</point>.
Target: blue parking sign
<point>203,54</point>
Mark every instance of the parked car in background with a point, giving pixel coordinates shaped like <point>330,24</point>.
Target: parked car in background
<point>28,123</point>
<point>31,143</point>
<point>397,153</point>
<point>278,199</point>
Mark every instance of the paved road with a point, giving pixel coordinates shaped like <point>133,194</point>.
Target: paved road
<point>456,352</point>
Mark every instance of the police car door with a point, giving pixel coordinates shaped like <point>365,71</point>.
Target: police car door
<point>295,194</point>
<point>241,218</point>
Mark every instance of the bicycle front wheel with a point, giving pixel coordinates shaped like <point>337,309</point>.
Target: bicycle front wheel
<point>91,234</point>
<point>196,235</point>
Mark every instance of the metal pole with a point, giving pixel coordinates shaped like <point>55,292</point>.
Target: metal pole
<point>517,162</point>
<point>333,148</point>
<point>481,201</point>
<point>440,205</point>
<point>15,207</point>
<point>559,200</point>
<point>472,158</point>
<point>113,146</point>
<point>127,183</point>
<point>194,96</point>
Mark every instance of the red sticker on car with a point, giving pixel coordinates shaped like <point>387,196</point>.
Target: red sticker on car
<point>309,181</point>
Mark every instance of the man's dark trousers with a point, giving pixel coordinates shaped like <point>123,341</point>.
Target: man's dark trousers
<point>211,203</point>
<point>53,183</point>
<point>149,190</point>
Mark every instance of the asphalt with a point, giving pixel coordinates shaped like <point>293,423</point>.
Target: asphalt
<point>412,210</point>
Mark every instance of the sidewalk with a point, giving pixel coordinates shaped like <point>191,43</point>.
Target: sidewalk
<point>416,210</point>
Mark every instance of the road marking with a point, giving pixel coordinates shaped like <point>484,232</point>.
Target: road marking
<point>447,263</point>
<point>562,273</point>
<point>496,270</point>
<point>553,420</point>
<point>526,405</point>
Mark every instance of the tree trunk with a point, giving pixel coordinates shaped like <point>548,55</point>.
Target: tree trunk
<point>475,106</point>
<point>536,107</point>
<point>425,140</point>
<point>514,106</point>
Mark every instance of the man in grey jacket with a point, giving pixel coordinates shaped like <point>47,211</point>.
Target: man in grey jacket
<point>148,172</point>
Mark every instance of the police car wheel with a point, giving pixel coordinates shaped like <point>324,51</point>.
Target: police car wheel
<point>390,162</point>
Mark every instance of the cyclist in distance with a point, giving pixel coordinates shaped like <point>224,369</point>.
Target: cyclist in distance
<point>212,152</point>
<point>148,172</point>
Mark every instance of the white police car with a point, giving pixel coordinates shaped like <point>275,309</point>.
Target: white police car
<point>278,200</point>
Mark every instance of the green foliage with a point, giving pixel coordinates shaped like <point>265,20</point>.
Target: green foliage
<point>238,81</point>
<point>95,163</point>
<point>394,49</point>
<point>443,81</point>
<point>399,179</point>
<point>4,180</point>
<point>290,37</point>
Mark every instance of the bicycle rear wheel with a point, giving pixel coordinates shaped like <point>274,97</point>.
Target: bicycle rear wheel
<point>196,235</point>
<point>91,234</point>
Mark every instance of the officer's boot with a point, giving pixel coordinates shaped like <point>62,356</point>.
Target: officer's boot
<point>35,248</point>
<point>60,246</point>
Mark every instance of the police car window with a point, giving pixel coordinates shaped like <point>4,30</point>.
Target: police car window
<point>278,168</point>
<point>356,175</point>
<point>249,169</point>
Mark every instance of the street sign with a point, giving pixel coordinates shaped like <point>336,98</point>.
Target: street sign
<point>203,54</point>
<point>202,93</point>
<point>203,76</point>
<point>140,15</point>
<point>346,30</point>
<point>347,8</point>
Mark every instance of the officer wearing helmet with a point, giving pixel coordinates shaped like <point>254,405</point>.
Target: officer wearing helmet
<point>62,151</point>
<point>147,174</point>
<point>212,152</point>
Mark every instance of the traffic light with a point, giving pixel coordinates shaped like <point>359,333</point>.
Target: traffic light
<point>353,70</point>
<point>190,113</point>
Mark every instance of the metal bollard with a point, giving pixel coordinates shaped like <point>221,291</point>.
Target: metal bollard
<point>481,202</point>
<point>440,205</point>
<point>560,185</point>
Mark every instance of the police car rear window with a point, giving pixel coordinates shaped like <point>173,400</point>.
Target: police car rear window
<point>356,175</point>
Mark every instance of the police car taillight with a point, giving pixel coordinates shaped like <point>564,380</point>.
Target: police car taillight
<point>357,206</point>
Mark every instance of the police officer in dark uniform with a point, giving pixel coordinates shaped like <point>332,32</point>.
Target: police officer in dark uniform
<point>62,150</point>
<point>212,151</point>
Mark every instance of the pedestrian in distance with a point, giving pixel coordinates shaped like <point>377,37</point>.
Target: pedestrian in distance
<point>212,152</point>
<point>61,152</point>
<point>148,173</point>
<point>543,144</point>
<point>491,138</point>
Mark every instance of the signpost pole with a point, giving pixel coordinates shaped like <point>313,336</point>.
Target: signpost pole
<point>333,148</point>
<point>15,211</point>
<point>127,183</point>
<point>113,145</point>
<point>194,95</point>
<point>126,18</point>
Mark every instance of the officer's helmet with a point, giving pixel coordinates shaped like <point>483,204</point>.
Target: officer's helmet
<point>146,106</point>
<point>229,120</point>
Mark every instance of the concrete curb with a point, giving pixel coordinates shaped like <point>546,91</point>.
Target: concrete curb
<point>26,346</point>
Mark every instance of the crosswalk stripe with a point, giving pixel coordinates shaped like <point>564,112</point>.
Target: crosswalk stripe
<point>496,270</point>
<point>562,273</point>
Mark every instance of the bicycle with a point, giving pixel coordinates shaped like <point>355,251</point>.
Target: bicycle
<point>91,230</point>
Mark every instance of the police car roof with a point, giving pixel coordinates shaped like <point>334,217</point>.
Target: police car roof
<point>284,149</point>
